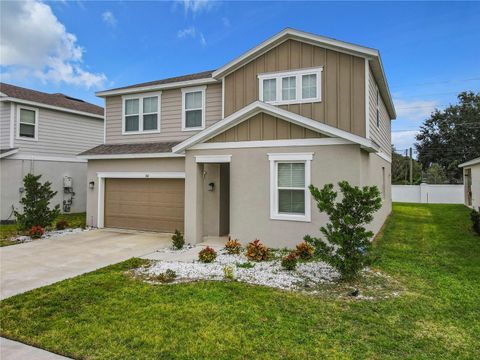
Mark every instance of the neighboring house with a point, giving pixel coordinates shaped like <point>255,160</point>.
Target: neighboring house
<point>471,182</point>
<point>42,133</point>
<point>232,151</point>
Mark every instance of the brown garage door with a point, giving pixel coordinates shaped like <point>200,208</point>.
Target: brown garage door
<point>145,204</point>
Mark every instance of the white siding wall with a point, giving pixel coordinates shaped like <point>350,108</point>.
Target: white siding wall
<point>4,125</point>
<point>61,134</point>
<point>170,119</point>
<point>380,134</point>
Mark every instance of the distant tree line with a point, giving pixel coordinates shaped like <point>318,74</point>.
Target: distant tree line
<point>447,139</point>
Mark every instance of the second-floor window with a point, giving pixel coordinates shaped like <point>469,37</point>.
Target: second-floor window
<point>141,113</point>
<point>27,123</point>
<point>293,87</point>
<point>193,108</point>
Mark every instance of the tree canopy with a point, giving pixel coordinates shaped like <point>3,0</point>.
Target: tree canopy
<point>451,136</point>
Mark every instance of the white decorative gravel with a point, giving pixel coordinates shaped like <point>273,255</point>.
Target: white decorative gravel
<point>50,234</point>
<point>267,273</point>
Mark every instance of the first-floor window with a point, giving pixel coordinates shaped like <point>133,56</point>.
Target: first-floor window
<point>290,197</point>
<point>27,123</point>
<point>193,108</point>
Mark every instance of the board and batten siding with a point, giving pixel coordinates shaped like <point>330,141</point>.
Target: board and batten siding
<point>4,125</point>
<point>265,127</point>
<point>170,117</point>
<point>380,134</point>
<point>61,134</point>
<point>343,84</point>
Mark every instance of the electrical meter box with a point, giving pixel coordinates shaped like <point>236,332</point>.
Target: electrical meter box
<point>67,182</point>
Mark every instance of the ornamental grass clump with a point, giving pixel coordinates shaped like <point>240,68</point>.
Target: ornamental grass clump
<point>233,246</point>
<point>166,277</point>
<point>347,243</point>
<point>305,250</point>
<point>36,232</point>
<point>290,261</point>
<point>256,251</point>
<point>178,240</point>
<point>207,255</point>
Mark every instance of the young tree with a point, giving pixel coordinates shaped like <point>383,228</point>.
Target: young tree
<point>36,204</point>
<point>435,175</point>
<point>347,241</point>
<point>452,136</point>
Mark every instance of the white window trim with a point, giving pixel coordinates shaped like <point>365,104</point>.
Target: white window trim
<point>298,75</point>
<point>276,158</point>
<point>190,90</point>
<point>140,98</point>
<point>19,108</point>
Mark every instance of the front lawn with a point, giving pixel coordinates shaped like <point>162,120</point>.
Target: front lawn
<point>7,231</point>
<point>106,314</point>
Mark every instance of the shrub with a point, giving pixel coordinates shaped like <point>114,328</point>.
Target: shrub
<point>233,246</point>
<point>36,204</point>
<point>228,273</point>
<point>166,277</point>
<point>475,216</point>
<point>177,240</point>
<point>36,232</point>
<point>348,242</point>
<point>245,265</point>
<point>61,225</point>
<point>305,250</point>
<point>207,255</point>
<point>257,251</point>
<point>289,262</point>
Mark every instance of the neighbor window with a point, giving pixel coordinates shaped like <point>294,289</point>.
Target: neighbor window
<point>193,108</point>
<point>290,197</point>
<point>27,123</point>
<point>300,86</point>
<point>141,113</point>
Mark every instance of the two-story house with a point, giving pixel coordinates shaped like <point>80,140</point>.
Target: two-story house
<point>232,151</point>
<point>42,133</point>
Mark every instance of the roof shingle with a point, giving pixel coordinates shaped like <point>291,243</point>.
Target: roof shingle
<point>59,100</point>
<point>136,148</point>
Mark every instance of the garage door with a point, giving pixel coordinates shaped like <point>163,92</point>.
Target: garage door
<point>145,204</point>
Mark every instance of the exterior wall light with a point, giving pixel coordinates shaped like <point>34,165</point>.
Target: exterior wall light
<point>91,185</point>
<point>211,186</point>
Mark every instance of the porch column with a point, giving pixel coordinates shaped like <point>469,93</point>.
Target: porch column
<point>193,200</point>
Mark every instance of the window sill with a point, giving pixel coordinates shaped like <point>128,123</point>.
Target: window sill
<point>194,129</point>
<point>292,102</point>
<point>140,132</point>
<point>292,217</point>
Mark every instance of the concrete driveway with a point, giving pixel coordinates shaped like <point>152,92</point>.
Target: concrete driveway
<point>31,265</point>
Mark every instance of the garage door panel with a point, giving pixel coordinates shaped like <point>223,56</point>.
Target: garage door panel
<point>145,204</point>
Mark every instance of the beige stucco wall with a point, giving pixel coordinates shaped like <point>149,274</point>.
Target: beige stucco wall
<point>250,191</point>
<point>124,165</point>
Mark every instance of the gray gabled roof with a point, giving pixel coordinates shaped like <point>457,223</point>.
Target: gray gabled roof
<point>57,100</point>
<point>136,148</point>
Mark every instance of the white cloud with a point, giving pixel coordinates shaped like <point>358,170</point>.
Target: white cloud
<point>415,110</point>
<point>404,139</point>
<point>33,42</point>
<point>109,19</point>
<point>197,6</point>
<point>202,40</point>
<point>187,32</point>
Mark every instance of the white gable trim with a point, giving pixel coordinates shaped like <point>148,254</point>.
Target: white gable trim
<point>258,107</point>
<point>470,163</point>
<point>271,143</point>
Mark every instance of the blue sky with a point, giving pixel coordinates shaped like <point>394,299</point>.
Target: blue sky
<point>430,50</point>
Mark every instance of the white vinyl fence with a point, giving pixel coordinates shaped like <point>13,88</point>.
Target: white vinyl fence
<point>428,194</point>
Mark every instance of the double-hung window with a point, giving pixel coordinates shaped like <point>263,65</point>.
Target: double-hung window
<point>293,87</point>
<point>27,123</point>
<point>193,108</point>
<point>289,181</point>
<point>141,113</point>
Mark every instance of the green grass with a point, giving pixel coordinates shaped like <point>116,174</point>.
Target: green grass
<point>106,314</point>
<point>9,230</point>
